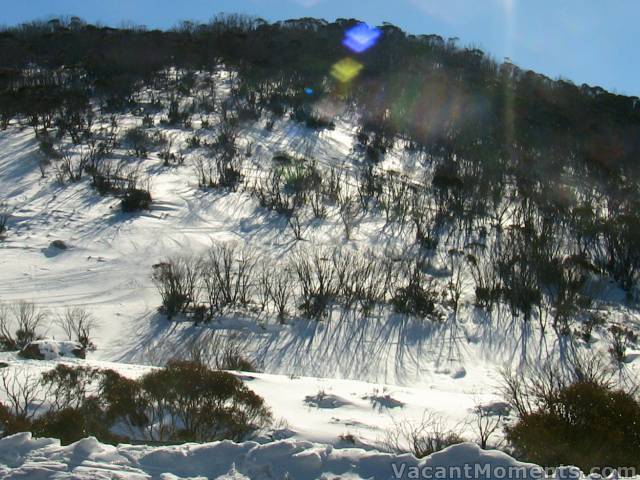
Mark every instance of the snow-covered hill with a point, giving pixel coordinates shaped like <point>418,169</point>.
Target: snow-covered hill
<point>344,379</point>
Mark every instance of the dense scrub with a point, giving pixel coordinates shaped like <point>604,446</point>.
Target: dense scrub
<point>185,401</point>
<point>229,278</point>
<point>583,420</point>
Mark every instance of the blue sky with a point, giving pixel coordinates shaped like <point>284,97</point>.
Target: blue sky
<point>587,41</point>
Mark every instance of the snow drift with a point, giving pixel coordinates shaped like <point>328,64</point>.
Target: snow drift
<point>22,456</point>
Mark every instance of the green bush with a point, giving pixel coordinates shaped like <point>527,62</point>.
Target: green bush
<point>72,424</point>
<point>586,424</point>
<point>185,401</point>
<point>194,403</point>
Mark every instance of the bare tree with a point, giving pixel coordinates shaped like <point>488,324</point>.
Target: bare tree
<point>19,325</point>
<point>486,421</point>
<point>280,293</point>
<point>228,277</point>
<point>20,391</point>
<point>293,221</point>
<point>78,324</point>
<point>347,215</point>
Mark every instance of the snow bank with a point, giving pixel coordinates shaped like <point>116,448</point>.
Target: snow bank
<point>52,350</point>
<point>22,456</point>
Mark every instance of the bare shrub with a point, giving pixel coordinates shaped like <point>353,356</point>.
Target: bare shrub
<point>137,193</point>
<point>316,280</point>
<point>455,285</point>
<point>177,282</point>
<point>362,280</point>
<point>318,207</point>
<point>73,163</point>
<point>487,420</point>
<point>219,352</point>
<point>20,391</point>
<point>205,171</point>
<point>428,436</point>
<point>347,215</point>
<point>228,277</point>
<point>141,141</point>
<point>270,194</point>
<point>425,220</point>
<point>224,152</point>
<point>78,324</point>
<point>19,325</point>
<point>621,338</point>
<point>280,293</point>
<point>485,278</point>
<point>417,297</point>
<point>294,224</point>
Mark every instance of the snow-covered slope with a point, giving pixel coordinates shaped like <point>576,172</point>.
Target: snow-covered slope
<point>325,410</point>
<point>107,267</point>
<point>343,377</point>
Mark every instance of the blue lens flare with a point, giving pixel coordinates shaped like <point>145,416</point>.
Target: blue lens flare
<point>361,37</point>
<point>309,91</point>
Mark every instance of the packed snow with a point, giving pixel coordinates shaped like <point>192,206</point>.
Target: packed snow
<point>22,456</point>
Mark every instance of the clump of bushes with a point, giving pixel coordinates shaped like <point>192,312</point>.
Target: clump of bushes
<point>583,421</point>
<point>140,141</point>
<point>310,119</point>
<point>416,298</point>
<point>185,401</point>
<point>621,338</point>
<point>230,279</point>
<point>176,280</point>
<point>135,199</point>
<point>133,190</point>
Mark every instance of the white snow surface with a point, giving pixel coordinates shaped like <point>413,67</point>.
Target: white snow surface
<point>22,456</point>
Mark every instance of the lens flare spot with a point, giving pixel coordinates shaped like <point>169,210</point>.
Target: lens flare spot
<point>361,37</point>
<point>346,70</point>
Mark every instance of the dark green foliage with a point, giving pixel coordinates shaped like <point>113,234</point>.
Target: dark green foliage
<point>208,405</point>
<point>135,199</point>
<point>586,424</point>
<point>72,424</point>
<point>185,401</point>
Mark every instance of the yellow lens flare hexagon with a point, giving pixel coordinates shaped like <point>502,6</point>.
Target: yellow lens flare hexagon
<point>346,69</point>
